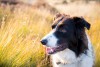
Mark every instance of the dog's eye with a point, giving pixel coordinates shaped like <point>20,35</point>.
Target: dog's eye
<point>63,30</point>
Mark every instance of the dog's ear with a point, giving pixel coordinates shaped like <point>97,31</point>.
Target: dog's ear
<point>80,22</point>
<point>57,15</point>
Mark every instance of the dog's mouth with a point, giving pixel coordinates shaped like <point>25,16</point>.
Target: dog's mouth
<point>53,50</point>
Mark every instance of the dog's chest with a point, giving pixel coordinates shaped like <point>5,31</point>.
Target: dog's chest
<point>62,63</point>
<point>70,60</point>
<point>65,58</point>
<point>67,65</point>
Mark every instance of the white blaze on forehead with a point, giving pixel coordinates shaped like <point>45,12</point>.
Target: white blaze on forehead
<point>51,39</point>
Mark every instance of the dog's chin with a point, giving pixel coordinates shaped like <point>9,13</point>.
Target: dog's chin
<point>53,50</point>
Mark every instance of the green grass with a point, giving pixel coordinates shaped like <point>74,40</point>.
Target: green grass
<point>22,28</point>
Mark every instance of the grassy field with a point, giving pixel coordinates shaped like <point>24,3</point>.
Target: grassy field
<point>21,29</point>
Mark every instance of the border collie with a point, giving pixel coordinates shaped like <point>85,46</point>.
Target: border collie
<point>68,44</point>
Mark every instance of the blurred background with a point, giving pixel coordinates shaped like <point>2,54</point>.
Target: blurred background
<point>24,22</point>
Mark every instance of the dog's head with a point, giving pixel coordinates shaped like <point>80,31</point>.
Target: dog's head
<point>67,33</point>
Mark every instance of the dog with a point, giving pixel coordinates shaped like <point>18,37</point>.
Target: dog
<point>68,44</point>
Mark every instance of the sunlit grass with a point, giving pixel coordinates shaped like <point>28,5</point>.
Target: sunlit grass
<point>20,33</point>
<point>95,35</point>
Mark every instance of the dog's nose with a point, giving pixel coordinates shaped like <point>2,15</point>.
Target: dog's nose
<point>44,42</point>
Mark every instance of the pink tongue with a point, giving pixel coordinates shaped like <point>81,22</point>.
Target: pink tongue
<point>49,50</point>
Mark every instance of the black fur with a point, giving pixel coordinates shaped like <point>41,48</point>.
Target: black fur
<point>81,23</point>
<point>71,31</point>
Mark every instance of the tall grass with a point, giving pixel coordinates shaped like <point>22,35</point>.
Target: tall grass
<point>21,29</point>
<point>20,33</point>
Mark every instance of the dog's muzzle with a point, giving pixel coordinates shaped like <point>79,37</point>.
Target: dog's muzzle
<point>53,50</point>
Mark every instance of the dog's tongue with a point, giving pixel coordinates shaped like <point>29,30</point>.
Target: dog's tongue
<point>49,50</point>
